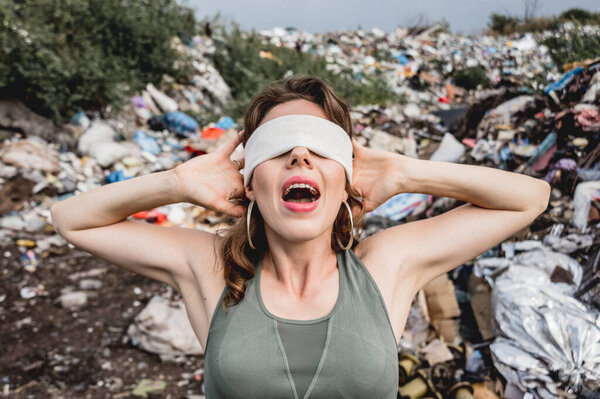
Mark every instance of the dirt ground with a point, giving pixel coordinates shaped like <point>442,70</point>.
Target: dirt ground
<point>50,351</point>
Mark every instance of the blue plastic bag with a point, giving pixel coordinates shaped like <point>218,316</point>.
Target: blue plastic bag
<point>146,143</point>
<point>225,123</point>
<point>180,123</point>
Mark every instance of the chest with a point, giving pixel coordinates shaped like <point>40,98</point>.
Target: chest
<point>353,359</point>
<point>356,352</point>
<point>314,304</point>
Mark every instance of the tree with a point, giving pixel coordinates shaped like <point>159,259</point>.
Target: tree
<point>577,14</point>
<point>503,24</point>
<point>531,8</point>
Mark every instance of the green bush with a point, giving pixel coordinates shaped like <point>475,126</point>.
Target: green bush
<point>59,56</point>
<point>573,45</point>
<point>471,77</point>
<point>580,15</point>
<point>247,73</point>
<point>503,24</point>
<point>506,24</point>
<point>539,25</point>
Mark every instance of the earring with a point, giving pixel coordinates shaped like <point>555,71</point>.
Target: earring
<point>351,229</point>
<point>248,224</point>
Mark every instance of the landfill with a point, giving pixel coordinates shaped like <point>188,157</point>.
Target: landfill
<point>520,321</point>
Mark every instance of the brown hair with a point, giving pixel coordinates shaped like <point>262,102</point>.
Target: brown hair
<point>238,257</point>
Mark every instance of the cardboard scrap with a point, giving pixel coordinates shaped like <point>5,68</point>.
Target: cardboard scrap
<point>443,307</point>
<point>481,300</point>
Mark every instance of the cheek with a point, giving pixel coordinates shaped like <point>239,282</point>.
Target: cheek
<point>263,178</point>
<point>337,175</point>
<point>258,175</point>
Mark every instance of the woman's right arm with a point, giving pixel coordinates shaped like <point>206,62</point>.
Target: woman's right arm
<point>96,221</point>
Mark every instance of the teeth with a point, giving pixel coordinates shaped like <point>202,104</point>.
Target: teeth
<point>301,185</point>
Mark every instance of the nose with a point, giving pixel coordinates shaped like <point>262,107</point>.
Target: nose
<point>300,155</point>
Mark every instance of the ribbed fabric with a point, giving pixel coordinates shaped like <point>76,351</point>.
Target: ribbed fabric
<point>303,345</point>
<point>246,358</point>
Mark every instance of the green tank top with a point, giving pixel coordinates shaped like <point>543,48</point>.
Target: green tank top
<point>349,353</point>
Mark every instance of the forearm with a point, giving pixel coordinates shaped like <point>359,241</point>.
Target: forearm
<point>114,202</point>
<point>482,186</point>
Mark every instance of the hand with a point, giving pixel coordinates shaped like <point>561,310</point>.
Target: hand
<point>213,179</point>
<point>373,175</point>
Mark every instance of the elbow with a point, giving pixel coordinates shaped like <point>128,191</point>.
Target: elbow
<point>544,196</point>
<point>55,219</point>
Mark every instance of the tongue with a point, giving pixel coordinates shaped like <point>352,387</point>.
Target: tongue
<point>299,195</point>
<point>301,200</point>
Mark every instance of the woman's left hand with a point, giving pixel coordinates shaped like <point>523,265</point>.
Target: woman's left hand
<point>375,174</point>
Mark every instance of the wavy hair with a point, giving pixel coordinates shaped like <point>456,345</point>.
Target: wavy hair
<point>237,255</point>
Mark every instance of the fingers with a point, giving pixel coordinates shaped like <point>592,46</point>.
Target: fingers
<point>237,194</point>
<point>235,210</point>
<point>239,163</point>
<point>232,144</point>
<point>356,147</point>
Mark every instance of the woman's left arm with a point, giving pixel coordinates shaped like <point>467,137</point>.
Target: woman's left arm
<point>500,203</point>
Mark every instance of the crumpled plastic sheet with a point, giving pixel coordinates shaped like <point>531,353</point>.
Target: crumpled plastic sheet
<point>570,242</point>
<point>582,199</point>
<point>541,257</point>
<point>522,369</point>
<point>546,338</point>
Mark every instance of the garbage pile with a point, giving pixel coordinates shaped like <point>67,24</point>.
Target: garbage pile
<point>507,324</point>
<point>416,62</point>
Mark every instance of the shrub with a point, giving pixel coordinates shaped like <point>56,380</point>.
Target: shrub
<point>471,77</point>
<point>573,45</point>
<point>579,15</point>
<point>59,56</point>
<point>503,24</point>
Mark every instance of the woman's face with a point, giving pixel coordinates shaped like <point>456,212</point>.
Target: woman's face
<point>297,219</point>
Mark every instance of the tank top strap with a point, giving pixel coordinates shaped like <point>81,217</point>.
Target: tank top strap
<point>361,290</point>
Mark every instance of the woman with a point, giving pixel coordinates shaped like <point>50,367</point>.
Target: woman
<point>294,305</point>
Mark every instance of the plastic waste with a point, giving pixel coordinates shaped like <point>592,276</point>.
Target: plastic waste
<point>212,132</point>
<point>80,119</point>
<point>399,206</point>
<point>225,123</point>
<point>116,176</point>
<point>450,149</point>
<point>30,153</point>
<point>584,193</point>
<point>166,103</point>
<point>554,90</point>
<point>163,327</point>
<point>180,123</point>
<point>147,143</point>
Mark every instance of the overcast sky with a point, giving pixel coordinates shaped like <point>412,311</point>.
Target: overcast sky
<point>465,16</point>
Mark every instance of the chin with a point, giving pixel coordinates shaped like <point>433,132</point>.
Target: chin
<point>296,231</point>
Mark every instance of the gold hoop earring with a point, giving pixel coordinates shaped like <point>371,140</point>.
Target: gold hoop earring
<point>248,224</point>
<point>351,230</point>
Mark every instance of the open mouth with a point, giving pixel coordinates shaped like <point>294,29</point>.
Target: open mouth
<point>301,193</point>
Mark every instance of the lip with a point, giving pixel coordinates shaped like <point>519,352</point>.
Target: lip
<point>299,179</point>
<point>300,206</point>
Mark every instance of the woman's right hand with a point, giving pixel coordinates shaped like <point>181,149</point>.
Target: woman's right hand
<point>213,179</point>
